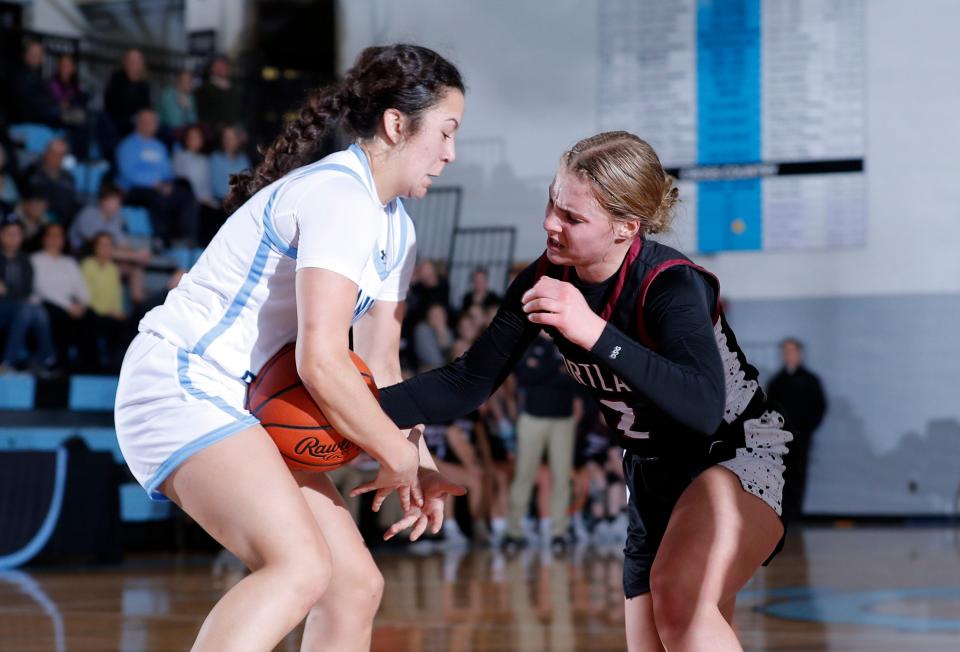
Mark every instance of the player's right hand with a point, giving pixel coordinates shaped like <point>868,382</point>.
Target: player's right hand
<point>398,471</point>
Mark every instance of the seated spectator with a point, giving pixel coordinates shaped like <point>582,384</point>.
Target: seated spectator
<point>59,284</point>
<point>65,87</point>
<point>8,188</point>
<point>178,108</point>
<point>433,339</point>
<point>145,173</point>
<point>56,184</point>
<point>105,217</point>
<point>480,293</point>
<point>102,277</point>
<point>192,164</point>
<point>229,160</point>
<point>33,214</point>
<point>30,96</point>
<point>23,319</point>
<point>218,102</point>
<point>427,287</point>
<point>127,93</point>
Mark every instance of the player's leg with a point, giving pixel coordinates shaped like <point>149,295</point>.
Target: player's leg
<point>342,619</point>
<point>641,629</point>
<point>240,491</point>
<point>717,537</point>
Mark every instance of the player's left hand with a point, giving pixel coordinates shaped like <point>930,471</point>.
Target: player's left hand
<point>551,302</point>
<point>435,489</point>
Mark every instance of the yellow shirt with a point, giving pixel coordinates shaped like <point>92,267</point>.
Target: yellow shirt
<point>103,281</point>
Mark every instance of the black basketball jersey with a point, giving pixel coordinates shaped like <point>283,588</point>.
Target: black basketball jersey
<point>643,426</point>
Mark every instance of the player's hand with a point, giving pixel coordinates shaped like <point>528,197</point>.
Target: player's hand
<point>559,304</point>
<point>398,471</point>
<point>435,490</point>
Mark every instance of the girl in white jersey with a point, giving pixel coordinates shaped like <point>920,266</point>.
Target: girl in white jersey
<point>312,247</point>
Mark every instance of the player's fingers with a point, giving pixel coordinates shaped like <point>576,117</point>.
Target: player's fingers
<point>419,527</point>
<point>436,519</point>
<point>415,433</point>
<point>400,526</point>
<point>380,496</point>
<point>544,318</point>
<point>404,492</point>
<point>416,494</point>
<point>363,488</point>
<point>543,304</point>
<point>453,488</point>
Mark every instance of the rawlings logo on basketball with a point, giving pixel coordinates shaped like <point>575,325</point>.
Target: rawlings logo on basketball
<point>314,448</point>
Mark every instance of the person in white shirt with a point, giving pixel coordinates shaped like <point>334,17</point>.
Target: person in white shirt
<point>59,284</point>
<point>311,248</point>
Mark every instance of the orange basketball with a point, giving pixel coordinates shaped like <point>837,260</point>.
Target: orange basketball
<point>286,410</point>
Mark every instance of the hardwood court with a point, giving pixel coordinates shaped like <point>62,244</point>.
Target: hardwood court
<point>876,589</point>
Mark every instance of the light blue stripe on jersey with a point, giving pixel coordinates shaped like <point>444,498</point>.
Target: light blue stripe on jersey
<point>360,154</point>
<point>240,300</point>
<point>363,305</point>
<point>183,367</point>
<point>182,454</point>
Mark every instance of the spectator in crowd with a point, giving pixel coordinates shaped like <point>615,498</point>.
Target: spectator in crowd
<point>427,288</point>
<point>193,166</point>
<point>799,393</point>
<point>127,94</point>
<point>65,87</point>
<point>21,318</point>
<point>480,293</point>
<point>102,277</point>
<point>56,184</point>
<point>433,339</point>
<point>59,284</point>
<point>105,217</point>
<point>548,420</point>
<point>144,172</point>
<point>33,214</point>
<point>178,108</point>
<point>30,96</point>
<point>218,102</point>
<point>227,161</point>
<point>8,188</point>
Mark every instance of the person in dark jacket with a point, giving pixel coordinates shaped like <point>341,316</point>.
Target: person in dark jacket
<point>800,395</point>
<point>20,316</point>
<point>127,93</point>
<point>30,93</point>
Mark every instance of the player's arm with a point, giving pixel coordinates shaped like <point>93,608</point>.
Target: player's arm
<point>376,339</point>
<point>459,387</point>
<point>325,304</point>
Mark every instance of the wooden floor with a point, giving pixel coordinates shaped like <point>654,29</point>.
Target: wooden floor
<point>872,589</point>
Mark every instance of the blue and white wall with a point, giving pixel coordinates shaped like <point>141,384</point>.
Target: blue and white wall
<point>878,320</point>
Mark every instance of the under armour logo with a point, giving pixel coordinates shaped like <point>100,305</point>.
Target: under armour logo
<point>383,255</point>
<point>615,352</point>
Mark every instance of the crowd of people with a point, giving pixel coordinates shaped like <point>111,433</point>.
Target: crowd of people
<point>72,279</point>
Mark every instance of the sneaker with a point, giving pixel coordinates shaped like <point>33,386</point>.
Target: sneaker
<point>558,544</point>
<point>511,544</point>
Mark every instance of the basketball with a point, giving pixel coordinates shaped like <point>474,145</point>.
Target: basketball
<point>278,398</point>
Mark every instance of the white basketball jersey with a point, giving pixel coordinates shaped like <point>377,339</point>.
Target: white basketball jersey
<point>237,305</point>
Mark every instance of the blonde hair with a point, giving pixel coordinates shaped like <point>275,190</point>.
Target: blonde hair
<point>628,180</point>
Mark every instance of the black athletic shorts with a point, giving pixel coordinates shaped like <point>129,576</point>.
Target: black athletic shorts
<point>655,485</point>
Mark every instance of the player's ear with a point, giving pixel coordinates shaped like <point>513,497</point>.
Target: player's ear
<point>625,230</point>
<point>394,124</point>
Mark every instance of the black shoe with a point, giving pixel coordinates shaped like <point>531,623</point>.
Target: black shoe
<point>513,543</point>
<point>558,544</point>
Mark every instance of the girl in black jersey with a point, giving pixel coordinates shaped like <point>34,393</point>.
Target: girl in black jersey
<point>639,325</point>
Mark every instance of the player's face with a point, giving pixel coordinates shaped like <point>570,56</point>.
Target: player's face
<point>429,150</point>
<point>579,231</point>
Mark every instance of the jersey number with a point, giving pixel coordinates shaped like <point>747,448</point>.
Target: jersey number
<point>627,417</point>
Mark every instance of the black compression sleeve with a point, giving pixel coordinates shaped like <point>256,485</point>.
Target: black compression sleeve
<point>684,378</point>
<point>461,386</point>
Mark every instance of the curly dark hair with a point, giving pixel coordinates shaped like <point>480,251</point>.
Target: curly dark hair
<point>409,78</point>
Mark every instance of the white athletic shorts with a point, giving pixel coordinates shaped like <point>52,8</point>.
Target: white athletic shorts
<point>171,404</point>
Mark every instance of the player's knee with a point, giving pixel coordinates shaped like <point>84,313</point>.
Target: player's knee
<point>674,601</point>
<point>309,576</point>
<point>363,586</point>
